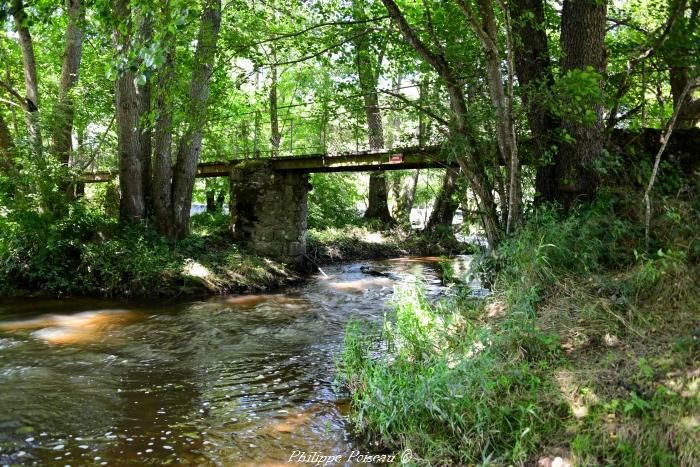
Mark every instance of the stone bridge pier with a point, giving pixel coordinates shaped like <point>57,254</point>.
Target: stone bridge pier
<point>269,210</point>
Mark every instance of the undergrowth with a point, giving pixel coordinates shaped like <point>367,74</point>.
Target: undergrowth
<point>587,350</point>
<point>85,252</point>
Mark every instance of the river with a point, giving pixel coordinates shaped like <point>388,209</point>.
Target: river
<point>232,380</point>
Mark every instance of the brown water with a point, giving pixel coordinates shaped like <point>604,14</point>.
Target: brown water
<point>227,381</point>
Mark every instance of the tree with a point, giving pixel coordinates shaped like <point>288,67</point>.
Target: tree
<point>462,136</point>
<point>70,69</point>
<point>190,144</point>
<point>486,31</point>
<point>368,72</point>
<point>533,69</point>
<point>583,49</point>
<point>31,80</point>
<point>171,185</point>
<point>445,203</point>
<point>132,170</point>
<point>682,63</point>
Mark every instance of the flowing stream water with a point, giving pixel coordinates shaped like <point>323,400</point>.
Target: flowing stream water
<point>233,380</point>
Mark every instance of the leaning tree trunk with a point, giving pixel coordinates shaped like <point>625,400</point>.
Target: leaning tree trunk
<point>533,69</point>
<point>31,81</point>
<point>190,145</point>
<point>486,31</point>
<point>582,42</point>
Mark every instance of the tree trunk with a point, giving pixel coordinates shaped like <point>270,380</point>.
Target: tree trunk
<point>31,81</point>
<point>533,68</point>
<point>501,99</point>
<point>689,114</point>
<point>211,201</point>
<point>145,36</point>
<point>445,203</point>
<point>680,61</point>
<point>582,43</point>
<point>163,141</point>
<point>190,144</point>
<point>405,194</point>
<point>63,115</point>
<point>377,201</point>
<point>132,204</point>
<point>275,136</point>
<point>220,199</point>
<point>7,146</point>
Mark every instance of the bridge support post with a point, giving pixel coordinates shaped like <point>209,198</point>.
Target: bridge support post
<point>269,210</point>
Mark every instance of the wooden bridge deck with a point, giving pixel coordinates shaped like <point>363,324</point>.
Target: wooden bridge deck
<point>396,159</point>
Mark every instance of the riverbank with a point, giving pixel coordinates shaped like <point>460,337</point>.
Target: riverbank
<point>586,353</point>
<point>354,243</point>
<point>88,254</point>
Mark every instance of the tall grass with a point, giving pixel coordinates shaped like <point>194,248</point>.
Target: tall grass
<point>449,390</point>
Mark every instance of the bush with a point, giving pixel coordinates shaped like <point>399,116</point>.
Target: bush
<point>84,252</point>
<point>81,252</point>
<point>333,200</point>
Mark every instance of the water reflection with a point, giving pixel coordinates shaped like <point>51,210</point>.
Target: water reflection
<point>230,380</point>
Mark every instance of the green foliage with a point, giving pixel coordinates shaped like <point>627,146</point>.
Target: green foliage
<point>80,252</point>
<point>449,390</point>
<point>576,93</point>
<point>333,201</point>
<point>85,252</point>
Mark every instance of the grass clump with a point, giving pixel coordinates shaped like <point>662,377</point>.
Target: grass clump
<point>449,389</point>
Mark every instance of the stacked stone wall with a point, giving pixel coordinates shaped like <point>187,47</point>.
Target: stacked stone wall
<point>269,210</point>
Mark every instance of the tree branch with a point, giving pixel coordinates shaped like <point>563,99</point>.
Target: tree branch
<point>417,106</point>
<point>311,28</point>
<point>435,60</point>
<point>320,52</point>
<point>652,179</point>
<point>10,90</point>
<point>632,63</point>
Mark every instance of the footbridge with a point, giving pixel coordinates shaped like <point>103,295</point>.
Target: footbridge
<point>268,196</point>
